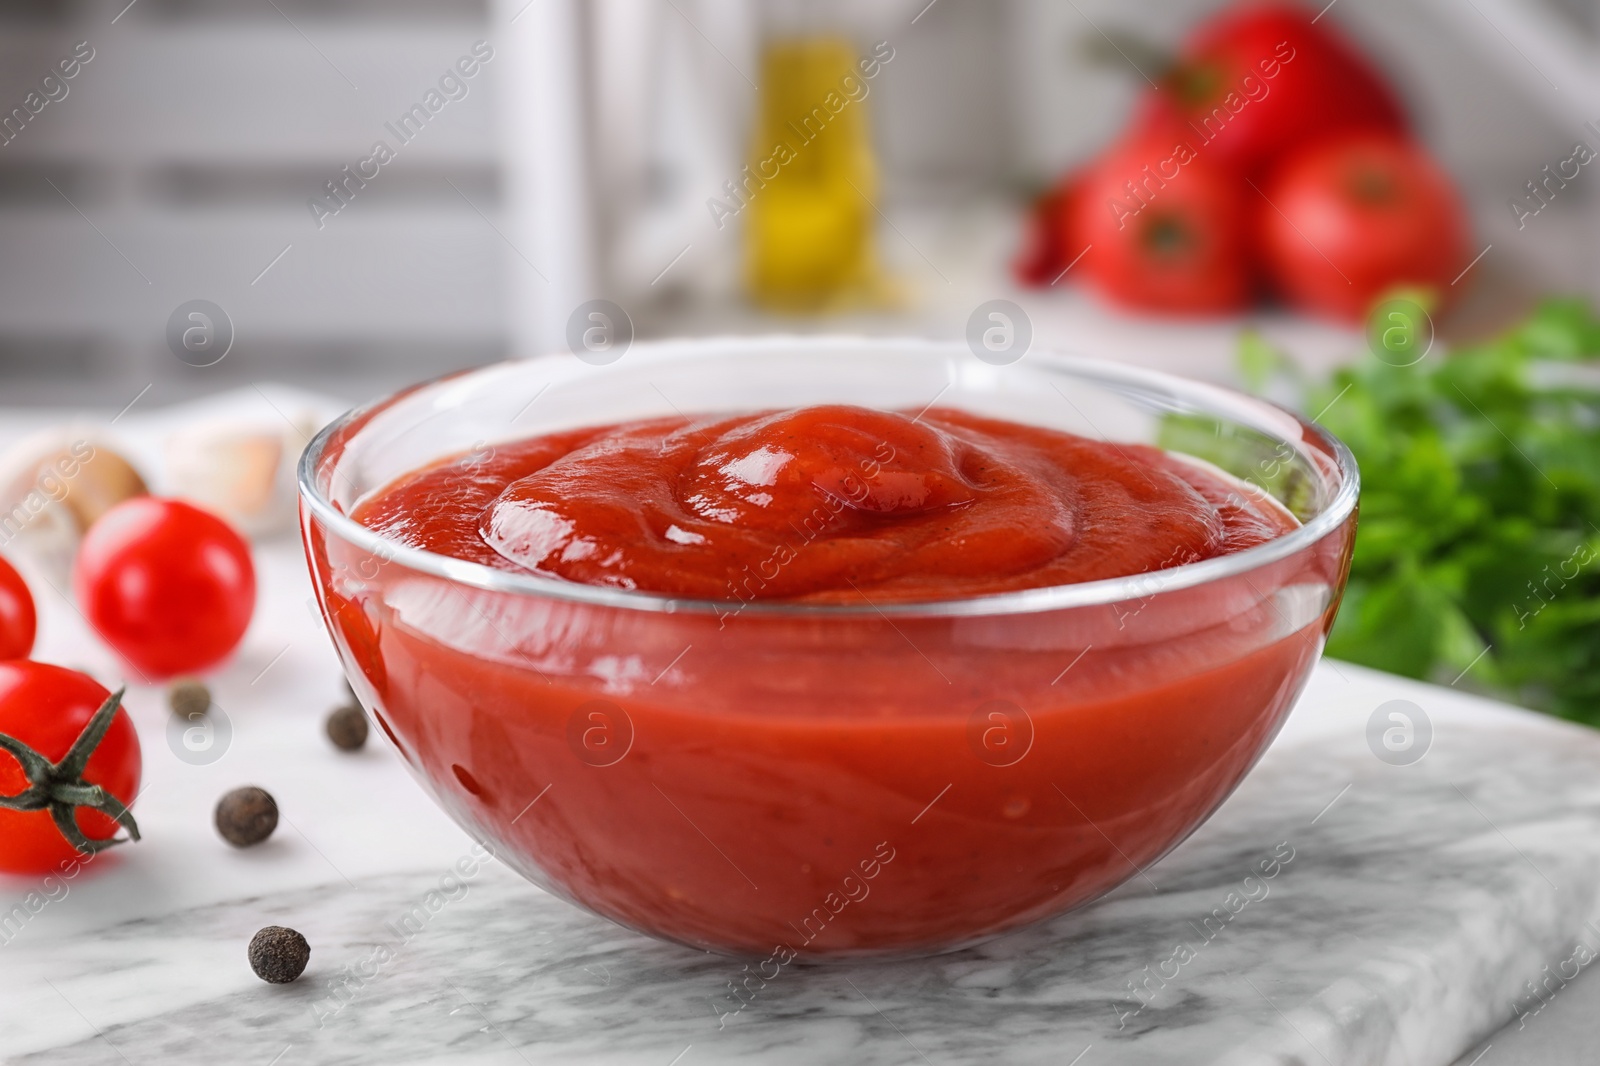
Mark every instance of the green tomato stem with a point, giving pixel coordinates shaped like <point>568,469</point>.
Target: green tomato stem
<point>60,788</point>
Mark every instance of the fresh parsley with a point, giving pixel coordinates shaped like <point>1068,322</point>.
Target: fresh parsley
<point>1477,557</point>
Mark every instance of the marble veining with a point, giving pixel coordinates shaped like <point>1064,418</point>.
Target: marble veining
<point>1404,910</point>
<point>1337,911</point>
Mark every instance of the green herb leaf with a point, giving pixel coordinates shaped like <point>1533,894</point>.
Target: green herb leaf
<point>1480,509</point>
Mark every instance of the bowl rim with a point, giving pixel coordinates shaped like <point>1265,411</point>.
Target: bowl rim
<point>1102,592</point>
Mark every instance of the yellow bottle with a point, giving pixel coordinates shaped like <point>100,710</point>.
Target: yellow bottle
<point>812,181</point>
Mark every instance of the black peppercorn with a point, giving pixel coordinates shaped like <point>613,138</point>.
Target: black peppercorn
<point>347,728</point>
<point>279,954</point>
<point>189,698</point>
<point>246,816</point>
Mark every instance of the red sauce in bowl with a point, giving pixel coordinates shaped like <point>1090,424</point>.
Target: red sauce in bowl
<point>799,784</point>
<point>824,505</point>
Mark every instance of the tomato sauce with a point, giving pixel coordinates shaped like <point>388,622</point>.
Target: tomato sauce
<point>824,504</point>
<point>789,785</point>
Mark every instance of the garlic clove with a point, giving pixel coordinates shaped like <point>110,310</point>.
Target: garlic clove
<point>237,472</point>
<point>53,486</point>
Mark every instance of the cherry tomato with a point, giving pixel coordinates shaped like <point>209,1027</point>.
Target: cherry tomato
<point>1166,228</point>
<point>46,708</point>
<point>1260,79</point>
<point>170,587</point>
<point>1354,218</point>
<point>18,622</point>
<point>1046,248</point>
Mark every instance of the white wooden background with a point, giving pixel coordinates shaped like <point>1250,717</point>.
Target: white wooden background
<point>183,156</point>
<point>179,165</point>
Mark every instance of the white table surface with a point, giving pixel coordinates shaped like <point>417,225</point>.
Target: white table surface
<point>144,959</point>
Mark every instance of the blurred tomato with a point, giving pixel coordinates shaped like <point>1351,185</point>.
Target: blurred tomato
<point>1047,246</point>
<point>17,619</point>
<point>1260,79</point>
<point>1353,218</point>
<point>1166,228</point>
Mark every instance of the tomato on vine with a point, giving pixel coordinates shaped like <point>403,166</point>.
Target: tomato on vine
<point>169,586</point>
<point>18,621</point>
<point>69,767</point>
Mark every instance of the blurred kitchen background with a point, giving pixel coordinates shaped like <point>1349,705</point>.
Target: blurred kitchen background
<point>577,162</point>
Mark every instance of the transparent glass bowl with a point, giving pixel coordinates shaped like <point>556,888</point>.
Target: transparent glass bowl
<point>809,781</point>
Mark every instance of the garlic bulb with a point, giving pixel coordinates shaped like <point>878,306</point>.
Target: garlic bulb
<point>53,486</point>
<point>244,472</point>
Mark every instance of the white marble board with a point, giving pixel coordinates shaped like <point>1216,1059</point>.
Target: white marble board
<point>1419,906</point>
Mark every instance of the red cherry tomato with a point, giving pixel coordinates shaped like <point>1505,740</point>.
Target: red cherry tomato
<point>46,708</point>
<point>1261,79</point>
<point>1361,215</point>
<point>18,623</point>
<point>1046,248</point>
<point>170,587</point>
<point>1165,227</point>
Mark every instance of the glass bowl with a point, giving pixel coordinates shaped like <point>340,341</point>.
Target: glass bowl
<point>802,781</point>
